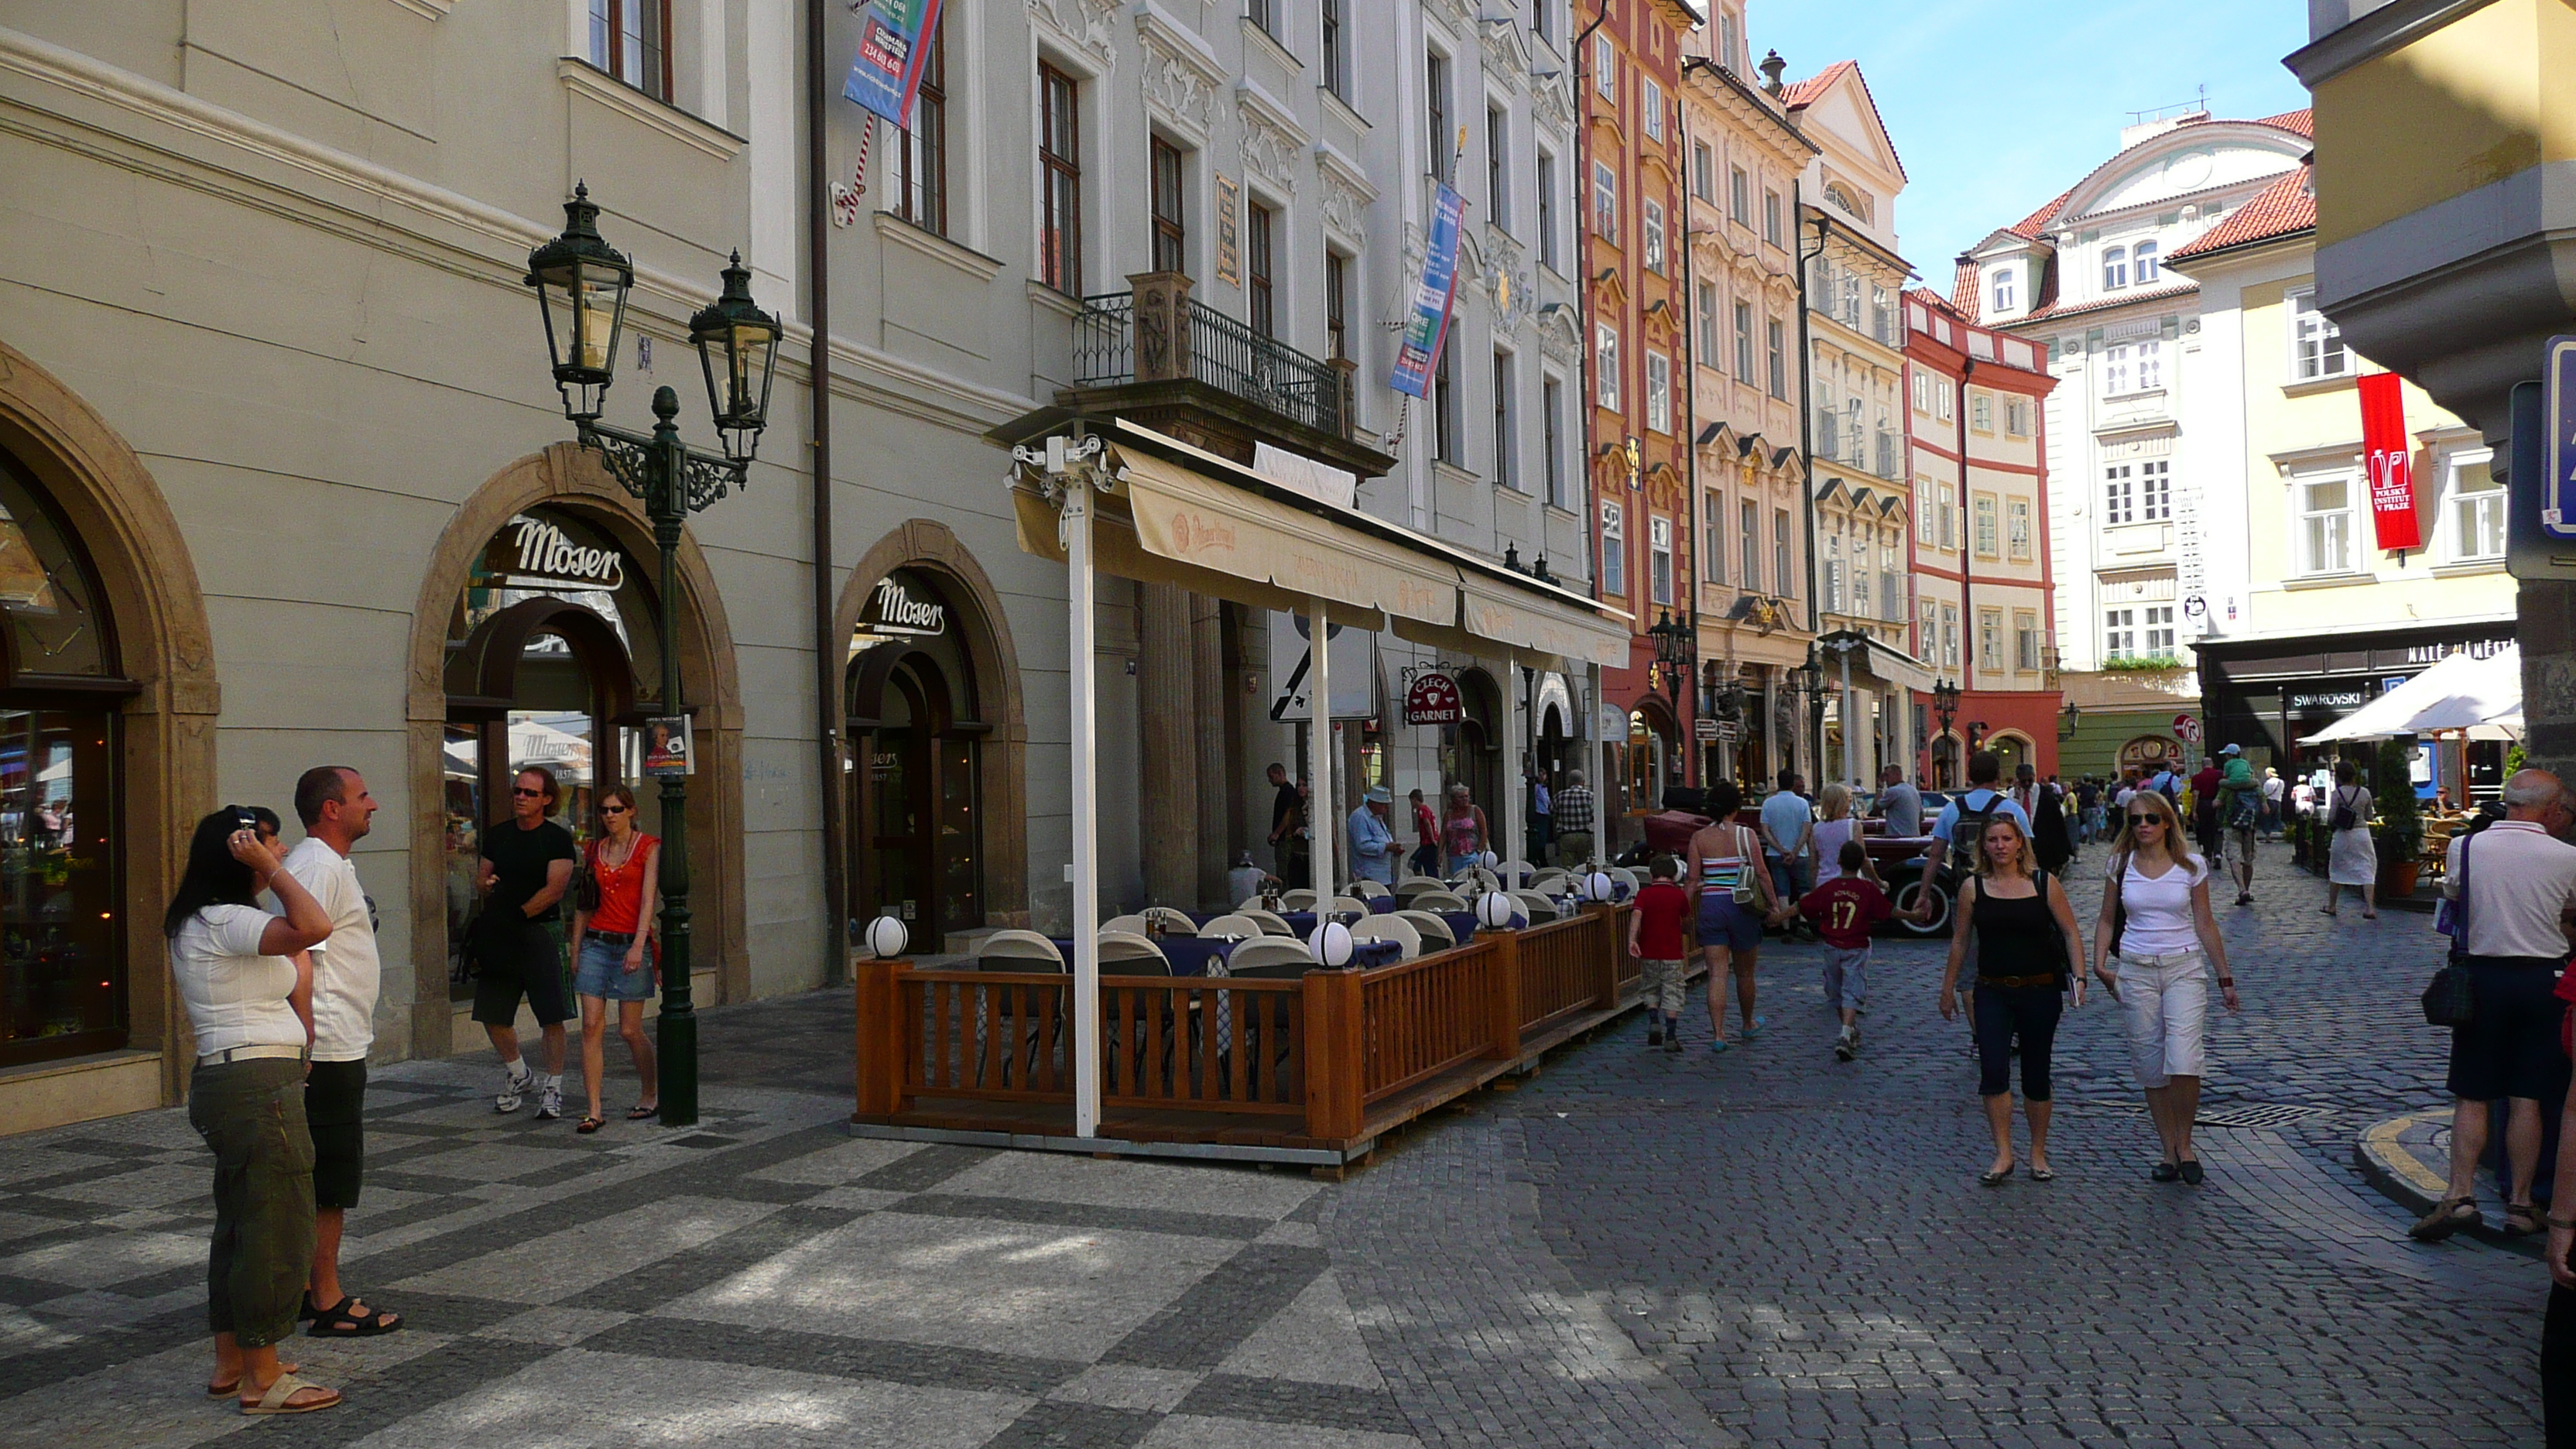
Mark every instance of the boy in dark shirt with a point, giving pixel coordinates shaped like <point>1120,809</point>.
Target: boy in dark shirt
<point>1844,910</point>
<point>1655,937</point>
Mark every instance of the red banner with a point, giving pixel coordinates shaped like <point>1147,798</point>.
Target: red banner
<point>2391,458</point>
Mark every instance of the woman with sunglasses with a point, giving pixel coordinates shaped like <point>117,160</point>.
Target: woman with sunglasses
<point>611,941</point>
<point>2155,919</point>
<point>2027,947</point>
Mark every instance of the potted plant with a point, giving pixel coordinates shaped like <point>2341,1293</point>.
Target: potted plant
<point>2400,836</point>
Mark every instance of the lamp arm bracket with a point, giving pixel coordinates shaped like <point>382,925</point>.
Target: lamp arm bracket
<point>628,457</point>
<point>707,477</point>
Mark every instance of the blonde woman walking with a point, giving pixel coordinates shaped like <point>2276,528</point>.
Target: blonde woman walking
<point>2027,950</point>
<point>1836,827</point>
<point>2155,922</point>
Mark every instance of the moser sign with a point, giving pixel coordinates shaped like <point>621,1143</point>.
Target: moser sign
<point>893,610</point>
<point>532,553</point>
<point>1434,700</point>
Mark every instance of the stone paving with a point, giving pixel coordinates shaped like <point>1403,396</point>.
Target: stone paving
<point>1631,1249</point>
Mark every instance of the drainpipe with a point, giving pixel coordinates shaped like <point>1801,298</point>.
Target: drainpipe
<point>1582,288</point>
<point>1967,542</point>
<point>1689,590</point>
<point>1807,409</point>
<point>829,650</point>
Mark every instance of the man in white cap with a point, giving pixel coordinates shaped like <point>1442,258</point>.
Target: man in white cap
<point>1372,843</point>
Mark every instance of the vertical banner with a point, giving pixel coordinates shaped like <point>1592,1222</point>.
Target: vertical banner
<point>1428,326</point>
<point>2389,453</point>
<point>886,74</point>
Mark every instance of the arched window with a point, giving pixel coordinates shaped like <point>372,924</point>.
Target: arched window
<point>2004,290</point>
<point>2145,253</point>
<point>2115,268</point>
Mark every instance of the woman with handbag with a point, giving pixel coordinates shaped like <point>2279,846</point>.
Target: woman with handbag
<point>615,900</point>
<point>2027,946</point>
<point>2354,861</point>
<point>2155,920</point>
<point>1723,865</point>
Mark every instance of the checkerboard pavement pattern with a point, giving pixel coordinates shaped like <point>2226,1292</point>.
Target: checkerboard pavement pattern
<point>1768,1247</point>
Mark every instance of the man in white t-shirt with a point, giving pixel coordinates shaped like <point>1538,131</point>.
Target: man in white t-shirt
<point>333,803</point>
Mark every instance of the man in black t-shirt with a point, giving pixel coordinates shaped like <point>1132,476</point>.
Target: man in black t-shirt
<point>1288,830</point>
<point>528,862</point>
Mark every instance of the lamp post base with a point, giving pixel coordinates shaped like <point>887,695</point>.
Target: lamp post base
<point>676,1040</point>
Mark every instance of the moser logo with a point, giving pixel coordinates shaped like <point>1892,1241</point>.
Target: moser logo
<point>1434,700</point>
<point>898,612</point>
<point>538,551</point>
<point>1192,533</point>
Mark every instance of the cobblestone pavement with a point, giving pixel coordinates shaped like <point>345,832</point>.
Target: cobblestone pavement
<point>1631,1249</point>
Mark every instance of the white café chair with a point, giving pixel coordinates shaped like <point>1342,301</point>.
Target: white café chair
<point>1550,882</point>
<point>1439,901</point>
<point>1132,955</point>
<point>1019,951</point>
<point>1369,890</point>
<point>1516,873</point>
<point>1390,928</point>
<point>1132,924</point>
<point>1240,926</point>
<point>1270,955</point>
<point>1414,885</point>
<point>1269,922</point>
<point>1355,905</point>
<point>1624,876</point>
<point>1174,921</point>
<point>1431,927</point>
<point>1538,908</point>
<point>1300,899</point>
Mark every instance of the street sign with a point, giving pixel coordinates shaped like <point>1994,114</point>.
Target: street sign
<point>2187,728</point>
<point>2536,476</point>
<point>1705,727</point>
<point>2558,498</point>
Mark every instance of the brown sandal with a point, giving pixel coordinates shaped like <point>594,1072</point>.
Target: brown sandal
<point>275,1401</point>
<point>2447,1217</point>
<point>2521,1219</point>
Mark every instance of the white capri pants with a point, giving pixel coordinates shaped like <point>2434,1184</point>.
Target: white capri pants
<point>2167,999</point>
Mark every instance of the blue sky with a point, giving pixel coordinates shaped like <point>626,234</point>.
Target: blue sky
<point>1997,105</point>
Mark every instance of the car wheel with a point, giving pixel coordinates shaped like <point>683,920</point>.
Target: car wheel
<point>1909,895</point>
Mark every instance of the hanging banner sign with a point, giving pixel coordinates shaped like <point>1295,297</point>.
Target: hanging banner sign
<point>1434,700</point>
<point>886,74</point>
<point>2390,455</point>
<point>1428,327</point>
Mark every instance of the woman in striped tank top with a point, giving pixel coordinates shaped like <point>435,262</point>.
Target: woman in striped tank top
<point>1725,871</point>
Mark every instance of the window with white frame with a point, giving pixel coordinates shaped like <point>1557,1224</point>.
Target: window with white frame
<point>2119,370</point>
<point>1945,398</point>
<point>1948,509</point>
<point>1744,342</point>
<point>1543,20</point>
<point>1659,392</point>
<point>1981,411</point>
<point>1712,549</point>
<point>1707,320</point>
<point>2004,290</point>
<point>2324,508</point>
<point>1264,13</point>
<point>2316,344</point>
<point>1703,172</point>
<point>1605,68</point>
<point>1650,105</point>
<point>1547,212</point>
<point>1950,635</point>
<point>1614,547</point>
<point>2155,491</point>
<point>2115,268</point>
<point>1922,382</point>
<point>1749,519</point>
<point>2151,365</point>
<point>1832,572</point>
<point>1605,366</point>
<point>1659,558</point>
<point>1927,630</point>
<point>1779,350</point>
<point>1551,407</point>
<point>1435,113</point>
<point>1990,639</point>
<point>2120,633</point>
<point>2025,642</point>
<point>1498,190</point>
<point>2143,262</point>
<point>2119,494</point>
<point>2017,529</point>
<point>1605,202</point>
<point>1772,231</point>
<point>1983,511</point>
<point>1507,441</point>
<point>1651,223</point>
<point>1783,575</point>
<point>2158,639</point>
<point>1333,26</point>
<point>1739,196</point>
<point>1923,511</point>
<point>2473,512</point>
<point>2017,417</point>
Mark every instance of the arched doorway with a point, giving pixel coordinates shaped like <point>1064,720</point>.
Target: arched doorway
<point>586,649</point>
<point>2148,754</point>
<point>108,699</point>
<point>1654,754</point>
<point>914,770</point>
<point>1471,751</point>
<point>2012,751</point>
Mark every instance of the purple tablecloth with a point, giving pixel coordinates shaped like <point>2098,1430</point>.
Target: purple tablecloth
<point>1190,955</point>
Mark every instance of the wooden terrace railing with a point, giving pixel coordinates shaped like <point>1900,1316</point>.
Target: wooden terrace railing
<point>1333,1057</point>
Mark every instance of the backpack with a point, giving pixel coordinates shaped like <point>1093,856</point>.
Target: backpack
<point>2344,819</point>
<point>1970,830</point>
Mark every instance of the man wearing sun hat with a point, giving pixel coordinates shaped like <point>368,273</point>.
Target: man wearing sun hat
<point>1372,843</point>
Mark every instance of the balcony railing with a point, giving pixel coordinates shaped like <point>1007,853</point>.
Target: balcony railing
<point>1156,333</point>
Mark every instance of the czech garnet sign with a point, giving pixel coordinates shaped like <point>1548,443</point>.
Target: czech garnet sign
<point>1433,700</point>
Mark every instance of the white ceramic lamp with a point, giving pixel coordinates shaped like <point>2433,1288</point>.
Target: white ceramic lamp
<point>1330,945</point>
<point>887,937</point>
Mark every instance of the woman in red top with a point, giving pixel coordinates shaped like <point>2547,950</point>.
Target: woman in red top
<point>611,944</point>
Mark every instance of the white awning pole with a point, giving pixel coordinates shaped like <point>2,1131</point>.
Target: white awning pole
<point>1515,828</point>
<point>1851,728</point>
<point>1085,687</point>
<point>1323,817</point>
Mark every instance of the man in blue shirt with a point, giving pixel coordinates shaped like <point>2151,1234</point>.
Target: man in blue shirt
<point>1372,843</point>
<point>1789,839</point>
<point>1983,801</point>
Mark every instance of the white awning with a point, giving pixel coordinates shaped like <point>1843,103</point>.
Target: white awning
<point>1879,662</point>
<point>2480,696</point>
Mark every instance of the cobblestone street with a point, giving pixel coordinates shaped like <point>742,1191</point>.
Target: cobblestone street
<point>1632,1248</point>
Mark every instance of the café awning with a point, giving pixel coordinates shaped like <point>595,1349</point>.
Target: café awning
<point>2482,697</point>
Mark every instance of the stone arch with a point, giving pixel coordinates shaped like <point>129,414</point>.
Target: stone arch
<point>164,643</point>
<point>931,547</point>
<point>568,477</point>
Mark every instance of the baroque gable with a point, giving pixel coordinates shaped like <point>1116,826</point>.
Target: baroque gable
<point>1181,77</point>
<point>1082,25</point>
<point>1270,136</point>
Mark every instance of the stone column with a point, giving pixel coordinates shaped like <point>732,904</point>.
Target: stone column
<point>1166,720</point>
<point>1216,782</point>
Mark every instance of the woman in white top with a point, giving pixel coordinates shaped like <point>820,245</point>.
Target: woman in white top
<point>2354,861</point>
<point>2155,920</point>
<point>248,987</point>
<point>1838,826</point>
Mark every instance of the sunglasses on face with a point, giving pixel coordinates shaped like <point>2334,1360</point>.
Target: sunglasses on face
<point>527,794</point>
<point>2146,820</point>
<point>612,809</point>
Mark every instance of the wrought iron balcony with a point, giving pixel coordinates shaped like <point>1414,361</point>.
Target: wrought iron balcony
<point>1155,335</point>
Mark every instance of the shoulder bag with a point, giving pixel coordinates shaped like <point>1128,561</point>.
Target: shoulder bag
<point>585,886</point>
<point>2452,998</point>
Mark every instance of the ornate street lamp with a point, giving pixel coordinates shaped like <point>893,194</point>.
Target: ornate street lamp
<point>1672,656</point>
<point>1807,681</point>
<point>1945,707</point>
<point>582,284</point>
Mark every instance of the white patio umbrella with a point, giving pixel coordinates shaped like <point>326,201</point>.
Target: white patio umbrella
<point>2481,696</point>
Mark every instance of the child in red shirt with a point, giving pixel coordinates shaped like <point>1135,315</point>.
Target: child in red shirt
<point>1655,936</point>
<point>1844,910</point>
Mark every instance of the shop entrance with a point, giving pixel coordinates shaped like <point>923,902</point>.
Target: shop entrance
<point>1471,751</point>
<point>913,774</point>
<point>544,649</point>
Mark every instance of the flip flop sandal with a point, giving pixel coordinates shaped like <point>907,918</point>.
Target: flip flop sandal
<point>287,1387</point>
<point>590,1125</point>
<point>338,1322</point>
<point>641,1113</point>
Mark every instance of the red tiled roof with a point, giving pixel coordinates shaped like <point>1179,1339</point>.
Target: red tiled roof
<point>2102,304</point>
<point>1797,94</point>
<point>2029,227</point>
<point>2285,208</point>
<point>2301,122</point>
<point>1967,285</point>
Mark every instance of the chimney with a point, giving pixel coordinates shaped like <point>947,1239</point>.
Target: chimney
<point>1771,67</point>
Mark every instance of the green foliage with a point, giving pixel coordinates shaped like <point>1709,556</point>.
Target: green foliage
<point>2392,790</point>
<point>2142,664</point>
<point>2513,760</point>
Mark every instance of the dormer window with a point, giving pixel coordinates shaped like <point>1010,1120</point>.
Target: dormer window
<point>2144,254</point>
<point>2004,290</point>
<point>2115,269</point>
